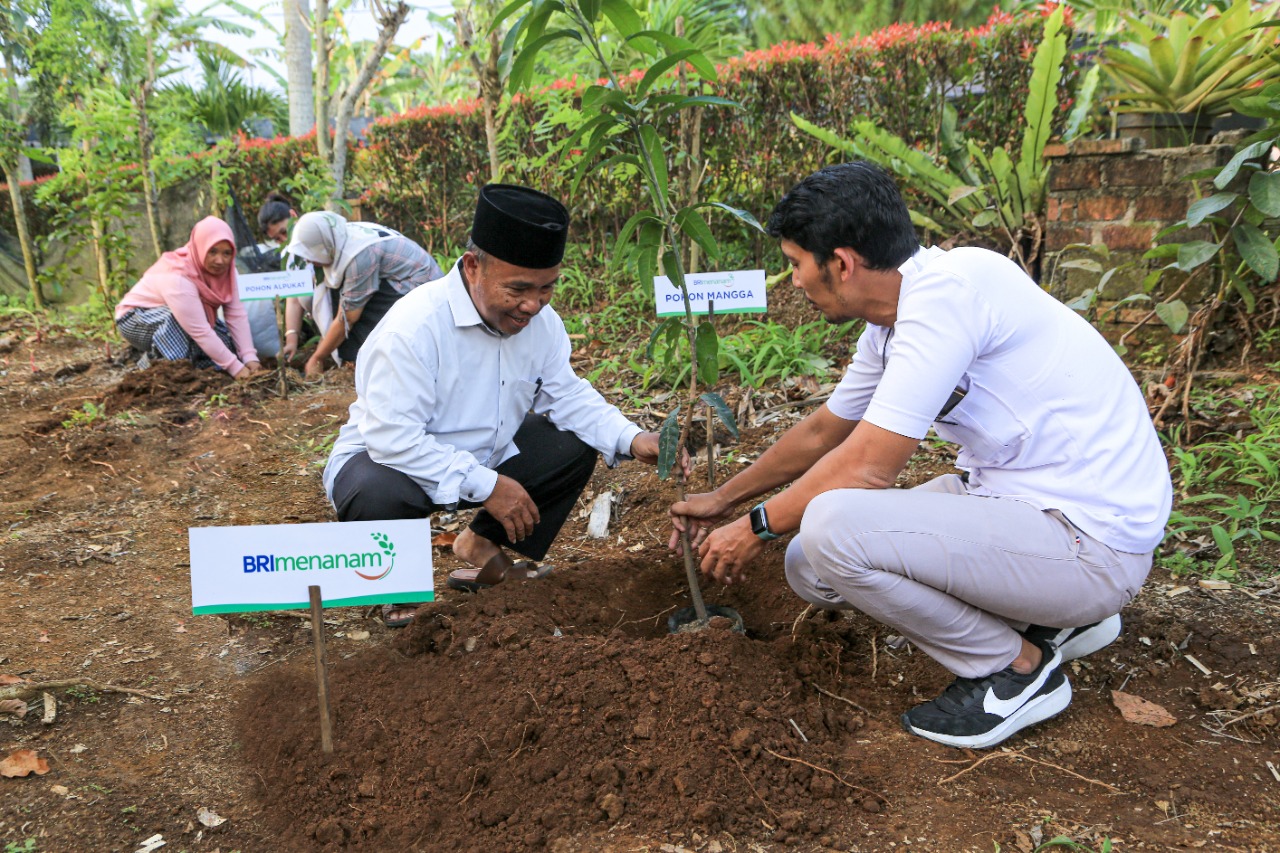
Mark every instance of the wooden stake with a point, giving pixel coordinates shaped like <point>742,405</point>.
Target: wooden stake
<point>322,670</point>
<point>280,339</point>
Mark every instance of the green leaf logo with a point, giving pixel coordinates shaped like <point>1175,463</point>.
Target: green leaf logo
<point>389,549</point>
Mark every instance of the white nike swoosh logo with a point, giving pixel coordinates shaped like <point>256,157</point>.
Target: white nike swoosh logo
<point>993,704</point>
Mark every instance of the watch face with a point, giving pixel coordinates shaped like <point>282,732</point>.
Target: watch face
<point>758,522</point>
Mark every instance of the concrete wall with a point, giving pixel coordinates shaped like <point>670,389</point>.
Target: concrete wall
<point>181,206</point>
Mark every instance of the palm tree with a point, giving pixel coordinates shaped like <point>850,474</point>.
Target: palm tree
<point>224,104</point>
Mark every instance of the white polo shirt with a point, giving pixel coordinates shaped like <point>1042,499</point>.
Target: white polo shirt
<point>1051,417</point>
<point>440,395</point>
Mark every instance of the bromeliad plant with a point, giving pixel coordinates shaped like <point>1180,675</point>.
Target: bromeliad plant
<point>624,122</point>
<point>1191,62</point>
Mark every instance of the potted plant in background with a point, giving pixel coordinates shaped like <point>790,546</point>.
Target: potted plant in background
<point>1175,73</point>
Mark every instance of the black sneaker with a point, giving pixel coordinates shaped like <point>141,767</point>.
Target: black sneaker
<point>1077,642</point>
<point>982,712</point>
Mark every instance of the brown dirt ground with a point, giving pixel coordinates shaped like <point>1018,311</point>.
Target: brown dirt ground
<point>555,714</point>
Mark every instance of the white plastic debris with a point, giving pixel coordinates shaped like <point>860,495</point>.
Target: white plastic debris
<point>601,510</point>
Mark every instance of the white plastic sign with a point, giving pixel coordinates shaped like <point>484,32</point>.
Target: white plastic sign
<point>270,566</point>
<point>736,292</point>
<point>268,285</point>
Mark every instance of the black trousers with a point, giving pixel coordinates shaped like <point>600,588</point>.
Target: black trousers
<point>553,466</point>
<point>374,310</point>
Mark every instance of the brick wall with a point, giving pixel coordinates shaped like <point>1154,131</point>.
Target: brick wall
<point>1113,192</point>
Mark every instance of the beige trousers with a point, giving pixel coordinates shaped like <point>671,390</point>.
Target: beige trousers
<point>957,574</point>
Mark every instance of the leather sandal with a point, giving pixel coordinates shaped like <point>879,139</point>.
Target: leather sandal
<point>468,580</point>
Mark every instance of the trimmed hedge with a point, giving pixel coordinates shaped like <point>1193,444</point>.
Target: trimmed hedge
<point>420,170</point>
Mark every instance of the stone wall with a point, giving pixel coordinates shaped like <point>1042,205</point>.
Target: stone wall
<point>1113,192</point>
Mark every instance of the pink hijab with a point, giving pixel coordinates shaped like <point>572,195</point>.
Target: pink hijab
<point>188,263</point>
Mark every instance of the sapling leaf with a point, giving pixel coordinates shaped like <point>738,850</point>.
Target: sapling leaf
<point>621,14</point>
<point>590,9</point>
<point>671,266</point>
<point>654,152</point>
<point>1264,192</point>
<point>721,408</point>
<point>662,66</point>
<point>707,349</point>
<point>1174,315</point>
<point>738,213</point>
<point>668,443</point>
<point>507,11</point>
<point>696,229</point>
<point>985,218</point>
<point>644,216</point>
<point>1202,208</point>
<point>663,328</point>
<point>597,96</point>
<point>674,44</point>
<point>1257,251</point>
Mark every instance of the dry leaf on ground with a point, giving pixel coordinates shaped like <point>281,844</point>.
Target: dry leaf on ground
<point>6,680</point>
<point>441,539</point>
<point>1135,709</point>
<point>13,706</point>
<point>210,818</point>
<point>22,762</point>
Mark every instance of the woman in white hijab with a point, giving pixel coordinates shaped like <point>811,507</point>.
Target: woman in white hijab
<point>367,268</point>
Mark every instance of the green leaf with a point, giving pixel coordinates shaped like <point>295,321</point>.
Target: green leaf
<point>523,66</point>
<point>1246,153</point>
<point>741,215</point>
<point>623,16</point>
<point>683,101</point>
<point>721,408</point>
<point>707,349</point>
<point>656,154</point>
<point>674,44</point>
<point>1042,92</point>
<point>674,271</point>
<point>596,97</point>
<point>590,9</point>
<point>1201,208</point>
<point>1264,192</point>
<point>1223,541</point>
<point>1174,315</point>
<point>663,328</point>
<point>1195,253</point>
<point>668,443</point>
<point>1257,251</point>
<point>985,218</point>
<point>662,66</point>
<point>507,11</point>
<point>695,228</point>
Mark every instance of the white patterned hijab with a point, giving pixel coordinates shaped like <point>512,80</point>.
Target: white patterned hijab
<point>330,241</point>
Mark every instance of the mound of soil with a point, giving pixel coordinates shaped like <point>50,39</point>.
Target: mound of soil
<point>533,710</point>
<point>557,713</point>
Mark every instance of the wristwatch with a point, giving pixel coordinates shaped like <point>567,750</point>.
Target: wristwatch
<point>760,523</point>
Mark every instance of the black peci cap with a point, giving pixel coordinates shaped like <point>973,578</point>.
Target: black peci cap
<point>521,226</point>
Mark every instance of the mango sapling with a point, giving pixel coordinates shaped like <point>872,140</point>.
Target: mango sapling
<point>623,122</point>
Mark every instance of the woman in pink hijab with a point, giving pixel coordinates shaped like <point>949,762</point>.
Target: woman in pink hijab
<point>172,312</point>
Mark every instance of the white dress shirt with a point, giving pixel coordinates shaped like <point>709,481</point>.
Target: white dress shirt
<point>1051,417</point>
<point>440,395</point>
